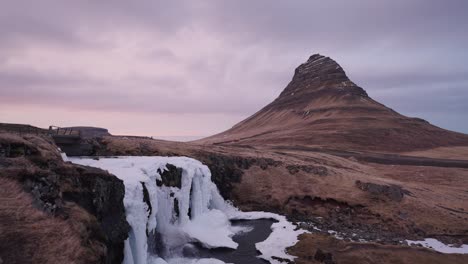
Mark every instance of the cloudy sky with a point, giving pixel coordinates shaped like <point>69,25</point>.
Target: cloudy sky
<point>194,68</point>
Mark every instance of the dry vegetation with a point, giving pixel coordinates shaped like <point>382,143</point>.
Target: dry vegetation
<point>315,249</point>
<point>47,213</point>
<point>29,235</point>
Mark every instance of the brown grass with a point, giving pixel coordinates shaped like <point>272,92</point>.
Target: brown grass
<point>367,253</point>
<point>459,153</point>
<point>28,235</point>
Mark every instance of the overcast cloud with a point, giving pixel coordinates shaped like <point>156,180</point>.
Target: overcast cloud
<point>194,68</point>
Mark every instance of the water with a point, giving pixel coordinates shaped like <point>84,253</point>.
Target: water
<point>246,251</point>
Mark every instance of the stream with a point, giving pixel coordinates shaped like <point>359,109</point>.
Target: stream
<point>246,251</point>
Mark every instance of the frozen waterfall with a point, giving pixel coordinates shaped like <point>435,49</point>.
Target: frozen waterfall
<point>165,219</point>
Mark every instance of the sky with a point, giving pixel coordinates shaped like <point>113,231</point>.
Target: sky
<point>195,68</point>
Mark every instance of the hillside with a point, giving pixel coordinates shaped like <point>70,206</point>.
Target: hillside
<point>322,107</point>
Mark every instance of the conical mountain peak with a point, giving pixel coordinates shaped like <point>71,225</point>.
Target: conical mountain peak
<point>320,68</point>
<point>320,77</point>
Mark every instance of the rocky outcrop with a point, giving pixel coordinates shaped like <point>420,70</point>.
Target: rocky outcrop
<point>80,141</point>
<point>351,221</point>
<point>318,170</point>
<point>392,192</point>
<point>101,194</point>
<point>319,77</point>
<point>226,171</point>
<point>89,200</point>
<point>171,177</point>
<point>79,146</point>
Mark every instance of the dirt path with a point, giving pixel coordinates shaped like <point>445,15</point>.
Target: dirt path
<point>382,158</point>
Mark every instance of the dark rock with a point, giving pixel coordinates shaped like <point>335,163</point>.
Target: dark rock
<point>392,192</point>
<point>292,169</point>
<point>101,194</point>
<point>90,132</point>
<point>88,142</point>
<point>225,171</point>
<point>45,191</point>
<point>308,80</point>
<point>146,198</point>
<point>176,208</point>
<point>324,257</point>
<point>282,260</point>
<point>228,170</point>
<point>318,170</point>
<point>350,221</point>
<point>79,146</point>
<point>172,177</point>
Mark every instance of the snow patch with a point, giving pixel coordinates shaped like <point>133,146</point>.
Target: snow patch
<point>439,246</point>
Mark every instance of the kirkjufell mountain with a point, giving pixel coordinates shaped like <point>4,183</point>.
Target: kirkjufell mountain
<point>323,174</point>
<point>322,107</point>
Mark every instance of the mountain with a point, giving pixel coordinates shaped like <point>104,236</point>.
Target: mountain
<point>323,154</point>
<point>322,107</point>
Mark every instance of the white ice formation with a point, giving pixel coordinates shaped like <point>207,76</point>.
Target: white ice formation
<point>171,217</point>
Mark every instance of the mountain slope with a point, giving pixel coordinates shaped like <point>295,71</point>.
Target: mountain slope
<point>322,107</point>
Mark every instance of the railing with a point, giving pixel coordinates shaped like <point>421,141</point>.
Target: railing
<point>53,131</point>
<point>59,131</point>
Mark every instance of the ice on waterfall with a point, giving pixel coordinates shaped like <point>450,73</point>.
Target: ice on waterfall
<point>210,230</point>
<point>63,155</point>
<point>136,245</point>
<point>439,246</point>
<point>208,220</point>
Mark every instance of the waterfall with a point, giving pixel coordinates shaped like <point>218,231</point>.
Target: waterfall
<point>165,219</point>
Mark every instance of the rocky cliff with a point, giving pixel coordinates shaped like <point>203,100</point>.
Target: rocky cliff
<point>55,212</point>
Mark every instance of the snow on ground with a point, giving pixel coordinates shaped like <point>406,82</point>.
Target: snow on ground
<point>209,212</point>
<point>439,246</point>
<point>284,234</point>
